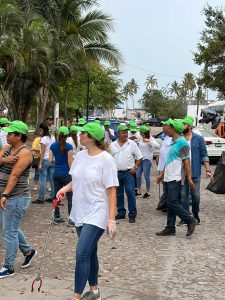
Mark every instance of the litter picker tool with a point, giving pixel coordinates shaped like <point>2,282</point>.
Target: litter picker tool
<point>38,278</point>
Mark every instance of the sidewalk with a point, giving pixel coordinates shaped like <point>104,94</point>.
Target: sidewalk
<point>137,264</point>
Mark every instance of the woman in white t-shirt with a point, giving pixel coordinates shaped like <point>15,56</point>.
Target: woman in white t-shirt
<point>146,145</point>
<point>45,167</point>
<point>94,181</point>
<point>73,140</point>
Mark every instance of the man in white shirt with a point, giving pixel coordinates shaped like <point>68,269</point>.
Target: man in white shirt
<point>128,158</point>
<point>163,153</point>
<point>4,122</point>
<point>134,134</point>
<point>109,133</point>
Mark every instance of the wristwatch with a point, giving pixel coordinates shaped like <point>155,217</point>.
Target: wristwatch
<point>4,195</point>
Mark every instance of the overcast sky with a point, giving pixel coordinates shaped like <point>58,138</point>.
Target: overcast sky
<point>157,37</point>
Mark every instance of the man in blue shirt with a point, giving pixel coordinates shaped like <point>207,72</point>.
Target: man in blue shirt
<point>177,167</point>
<point>198,155</point>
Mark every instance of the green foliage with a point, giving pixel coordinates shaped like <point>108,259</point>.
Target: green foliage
<point>211,50</point>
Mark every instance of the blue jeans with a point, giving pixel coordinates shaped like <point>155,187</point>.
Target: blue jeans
<point>145,167</point>
<point>162,200</point>
<point>173,193</point>
<point>86,256</point>
<point>126,180</point>
<point>195,195</point>
<point>60,180</point>
<point>47,169</point>
<point>10,219</point>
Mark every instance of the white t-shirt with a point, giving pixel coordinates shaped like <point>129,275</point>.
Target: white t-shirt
<point>91,176</point>
<point>3,138</point>
<point>107,138</point>
<point>47,141</point>
<point>136,136</point>
<point>126,155</point>
<point>71,142</point>
<point>147,148</point>
<point>163,153</point>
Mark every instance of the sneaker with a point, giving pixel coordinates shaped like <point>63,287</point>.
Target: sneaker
<point>161,207</point>
<point>70,223</point>
<point>137,194</point>
<point>191,227</point>
<point>35,188</point>
<point>181,223</point>
<point>5,272</point>
<point>57,221</point>
<point>198,221</point>
<point>28,259</point>
<point>91,295</point>
<point>131,220</point>
<point>118,217</point>
<point>49,200</point>
<point>49,189</point>
<point>166,232</point>
<point>38,201</point>
<point>146,195</point>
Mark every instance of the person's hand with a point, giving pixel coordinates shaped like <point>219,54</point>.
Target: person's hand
<point>11,159</point>
<point>159,178</point>
<point>133,170</point>
<point>111,229</point>
<point>191,183</point>
<point>146,140</point>
<point>3,202</point>
<point>209,174</point>
<point>60,196</point>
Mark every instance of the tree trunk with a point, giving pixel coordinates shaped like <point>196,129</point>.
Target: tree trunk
<point>65,103</point>
<point>42,106</point>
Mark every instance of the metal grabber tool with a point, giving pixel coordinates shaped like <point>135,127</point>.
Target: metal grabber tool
<point>55,203</point>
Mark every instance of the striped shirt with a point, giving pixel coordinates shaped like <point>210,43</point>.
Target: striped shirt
<point>22,185</point>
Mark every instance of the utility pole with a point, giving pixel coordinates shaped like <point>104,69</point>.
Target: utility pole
<point>88,96</point>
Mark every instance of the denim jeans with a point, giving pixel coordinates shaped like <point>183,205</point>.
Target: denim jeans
<point>145,167</point>
<point>47,169</point>
<point>60,180</point>
<point>162,200</point>
<point>14,238</point>
<point>126,180</point>
<point>86,256</point>
<point>195,195</point>
<point>173,193</point>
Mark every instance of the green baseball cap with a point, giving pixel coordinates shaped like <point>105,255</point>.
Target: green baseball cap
<point>133,128</point>
<point>144,129</point>
<point>97,122</point>
<point>4,121</point>
<point>177,125</point>
<point>81,121</point>
<point>73,128</point>
<point>107,123</point>
<point>16,126</point>
<point>63,130</point>
<point>122,127</point>
<point>188,120</point>
<point>94,129</point>
<point>167,122</point>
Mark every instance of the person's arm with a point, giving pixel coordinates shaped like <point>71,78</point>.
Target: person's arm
<point>138,158</point>
<point>62,192</point>
<point>204,157</point>
<point>111,135</point>
<point>187,165</point>
<point>70,157</point>
<point>11,159</point>
<point>153,142</point>
<point>25,158</point>
<point>111,228</point>
<point>51,157</point>
<point>43,147</point>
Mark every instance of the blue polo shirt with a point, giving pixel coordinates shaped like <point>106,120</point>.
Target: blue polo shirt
<point>61,159</point>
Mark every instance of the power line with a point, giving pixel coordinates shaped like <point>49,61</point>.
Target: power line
<point>148,71</point>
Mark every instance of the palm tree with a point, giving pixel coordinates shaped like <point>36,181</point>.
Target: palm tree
<point>174,89</point>
<point>151,82</point>
<point>189,85</point>
<point>134,88</point>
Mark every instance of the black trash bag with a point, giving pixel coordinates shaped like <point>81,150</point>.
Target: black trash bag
<point>217,185</point>
<point>210,115</point>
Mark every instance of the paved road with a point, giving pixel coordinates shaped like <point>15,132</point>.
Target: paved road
<point>137,264</point>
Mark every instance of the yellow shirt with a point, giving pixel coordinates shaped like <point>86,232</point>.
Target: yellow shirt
<point>36,145</point>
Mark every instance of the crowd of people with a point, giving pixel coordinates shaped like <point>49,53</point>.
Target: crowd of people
<point>110,167</point>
